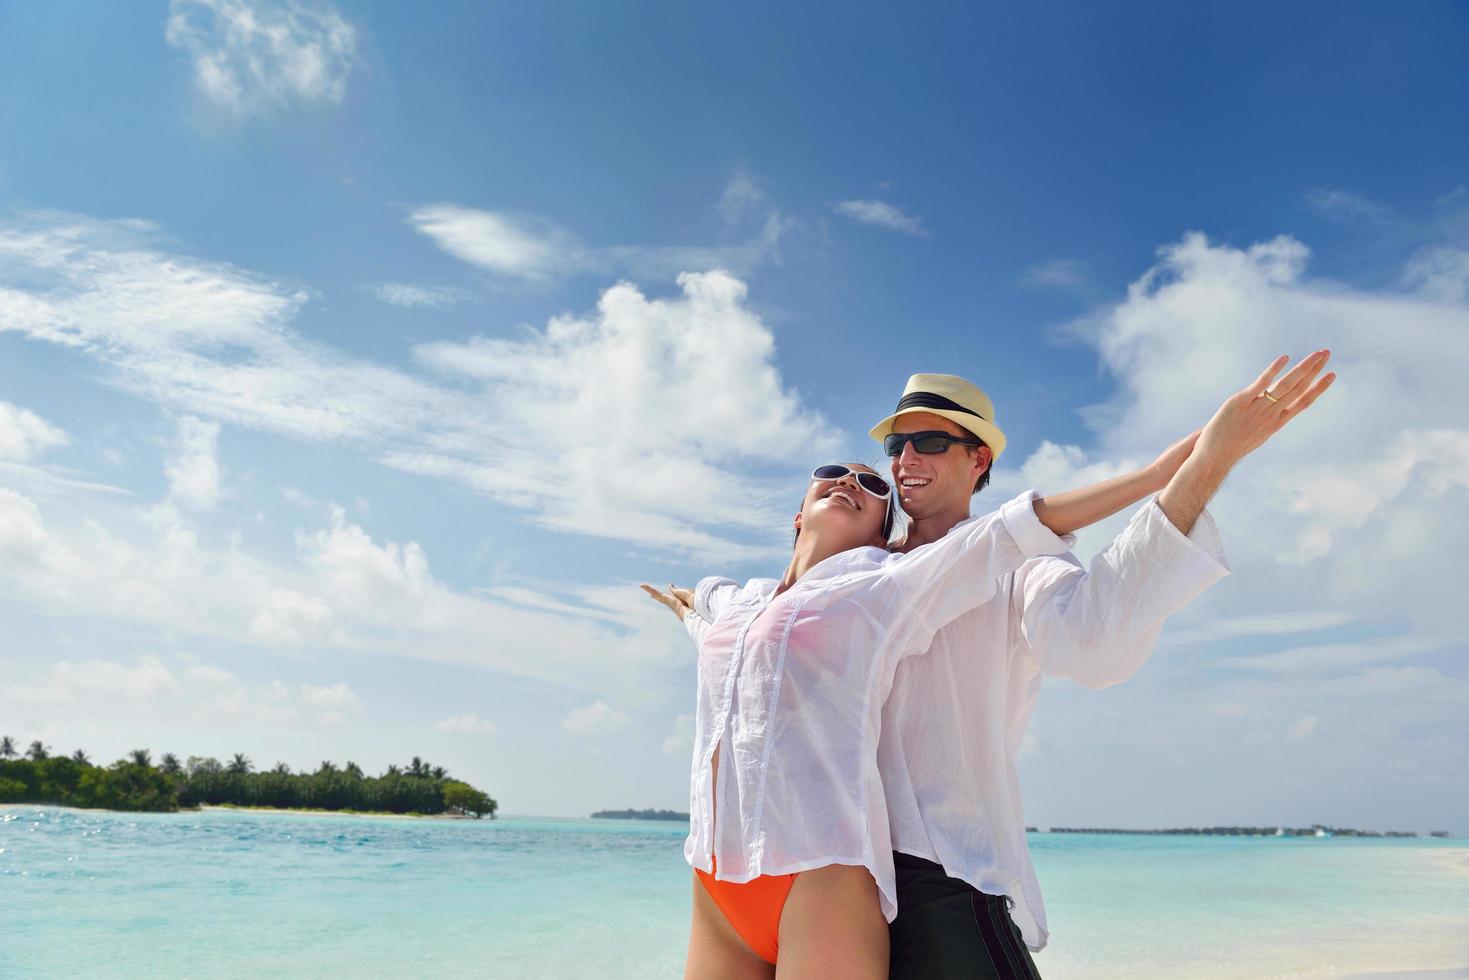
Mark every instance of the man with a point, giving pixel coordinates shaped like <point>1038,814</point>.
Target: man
<point>968,901</point>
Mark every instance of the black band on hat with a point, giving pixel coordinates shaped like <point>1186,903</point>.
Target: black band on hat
<point>927,399</point>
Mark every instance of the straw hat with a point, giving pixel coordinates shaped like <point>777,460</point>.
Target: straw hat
<point>953,398</point>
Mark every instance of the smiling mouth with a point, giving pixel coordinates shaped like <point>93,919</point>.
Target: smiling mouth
<point>837,492</point>
<point>913,482</point>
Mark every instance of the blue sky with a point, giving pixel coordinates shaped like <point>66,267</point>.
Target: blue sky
<point>357,362</point>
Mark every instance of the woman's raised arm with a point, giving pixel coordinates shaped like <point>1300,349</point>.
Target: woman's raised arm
<point>1066,513</point>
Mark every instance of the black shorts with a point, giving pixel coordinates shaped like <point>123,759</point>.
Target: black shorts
<point>947,929</point>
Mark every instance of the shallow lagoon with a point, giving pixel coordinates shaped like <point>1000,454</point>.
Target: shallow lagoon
<point>241,893</point>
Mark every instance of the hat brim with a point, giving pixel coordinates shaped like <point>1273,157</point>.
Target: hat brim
<point>987,431</point>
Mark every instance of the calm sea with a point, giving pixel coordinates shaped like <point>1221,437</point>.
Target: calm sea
<point>221,894</point>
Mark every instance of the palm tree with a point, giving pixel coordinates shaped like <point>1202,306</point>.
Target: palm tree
<point>80,758</point>
<point>141,757</point>
<point>239,764</point>
<point>353,769</point>
<point>37,752</point>
<point>438,772</point>
<point>393,770</point>
<point>281,769</point>
<point>170,764</point>
<point>416,767</point>
<point>325,768</point>
<point>7,748</point>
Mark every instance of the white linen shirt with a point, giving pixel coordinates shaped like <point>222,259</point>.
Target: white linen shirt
<point>955,718</point>
<point>791,687</point>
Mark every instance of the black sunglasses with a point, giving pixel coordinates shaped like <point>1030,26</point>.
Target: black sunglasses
<point>930,443</point>
<point>870,482</point>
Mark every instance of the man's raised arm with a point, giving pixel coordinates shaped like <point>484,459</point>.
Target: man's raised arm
<point>1099,625</point>
<point>1241,425</point>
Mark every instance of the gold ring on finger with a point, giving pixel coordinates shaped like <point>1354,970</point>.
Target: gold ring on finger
<point>1270,396</point>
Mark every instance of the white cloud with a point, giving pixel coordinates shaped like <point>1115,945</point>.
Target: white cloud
<point>288,618</point>
<point>410,295</point>
<point>590,399</point>
<point>882,215</point>
<point>1335,524</point>
<point>1440,274</point>
<point>257,56</point>
<point>344,591</point>
<point>681,739</point>
<point>1348,206</point>
<point>594,393</point>
<point>200,693</point>
<point>193,465</point>
<point>519,247</point>
<point>597,718</point>
<point>25,435</point>
<point>468,723</point>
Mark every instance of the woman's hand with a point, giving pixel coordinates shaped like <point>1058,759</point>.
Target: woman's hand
<point>1171,459</point>
<point>680,602</point>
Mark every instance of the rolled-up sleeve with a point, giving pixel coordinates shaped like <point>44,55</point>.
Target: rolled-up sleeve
<point>1097,625</point>
<point>696,625</point>
<point>711,594</point>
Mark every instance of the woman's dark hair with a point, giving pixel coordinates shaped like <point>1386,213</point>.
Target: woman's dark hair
<point>889,517</point>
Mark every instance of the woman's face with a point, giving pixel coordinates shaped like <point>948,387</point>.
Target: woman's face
<point>844,512</point>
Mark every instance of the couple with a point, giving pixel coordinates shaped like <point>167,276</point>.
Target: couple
<point>854,804</point>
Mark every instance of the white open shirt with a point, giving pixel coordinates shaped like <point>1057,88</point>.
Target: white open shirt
<point>791,689</point>
<point>955,718</point>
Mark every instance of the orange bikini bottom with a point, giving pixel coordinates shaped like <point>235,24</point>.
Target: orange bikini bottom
<point>753,908</point>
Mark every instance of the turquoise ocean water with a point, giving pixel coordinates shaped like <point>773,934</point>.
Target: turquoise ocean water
<point>231,893</point>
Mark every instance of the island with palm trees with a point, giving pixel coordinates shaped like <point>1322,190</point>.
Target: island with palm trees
<point>136,783</point>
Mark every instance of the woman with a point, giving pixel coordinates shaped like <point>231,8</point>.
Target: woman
<point>788,834</point>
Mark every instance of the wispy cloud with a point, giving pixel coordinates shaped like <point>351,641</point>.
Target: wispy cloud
<point>469,723</point>
<point>1336,658</point>
<point>534,250</point>
<point>681,738</point>
<point>882,215</point>
<point>1266,624</point>
<point>741,196</point>
<point>1440,274</point>
<point>257,56</point>
<point>193,464</point>
<point>1346,206</point>
<point>410,295</point>
<point>1067,275</point>
<point>199,693</point>
<point>25,435</point>
<point>598,718</point>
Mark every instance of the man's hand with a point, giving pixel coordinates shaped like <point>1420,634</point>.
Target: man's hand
<point>680,602</point>
<point>1253,415</point>
<point>1243,423</point>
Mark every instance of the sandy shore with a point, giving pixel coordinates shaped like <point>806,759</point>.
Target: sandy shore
<point>380,814</point>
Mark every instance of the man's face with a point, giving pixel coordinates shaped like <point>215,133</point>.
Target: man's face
<point>942,482</point>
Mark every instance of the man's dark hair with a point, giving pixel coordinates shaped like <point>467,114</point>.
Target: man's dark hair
<point>984,478</point>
